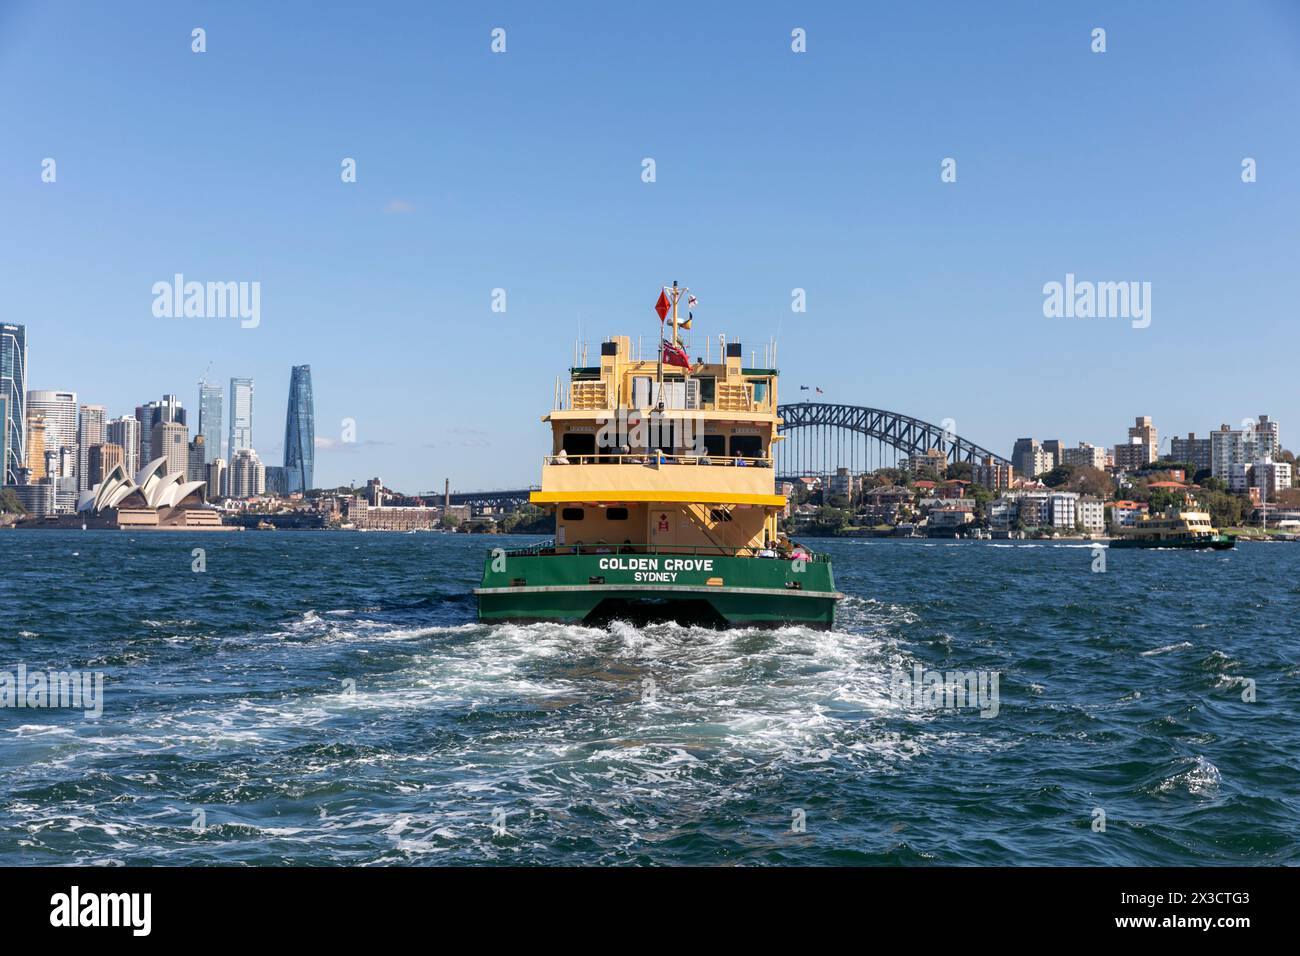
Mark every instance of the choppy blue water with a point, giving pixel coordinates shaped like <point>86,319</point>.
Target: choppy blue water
<point>328,698</point>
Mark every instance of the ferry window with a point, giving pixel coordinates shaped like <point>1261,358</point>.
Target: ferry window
<point>572,514</point>
<point>718,515</point>
<point>579,443</point>
<point>760,390</point>
<point>715,445</point>
<point>616,514</point>
<point>707,388</point>
<point>747,446</point>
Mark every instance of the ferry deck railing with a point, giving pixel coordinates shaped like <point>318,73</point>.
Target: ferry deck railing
<point>661,458</point>
<point>702,550</point>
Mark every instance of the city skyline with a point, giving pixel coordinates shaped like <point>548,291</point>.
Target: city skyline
<point>774,171</point>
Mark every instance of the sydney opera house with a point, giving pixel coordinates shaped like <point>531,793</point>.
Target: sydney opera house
<point>150,500</point>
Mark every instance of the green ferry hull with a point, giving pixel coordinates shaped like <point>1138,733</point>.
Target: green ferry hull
<point>1217,542</point>
<point>593,588</point>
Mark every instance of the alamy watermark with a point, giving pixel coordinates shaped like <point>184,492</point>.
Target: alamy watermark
<point>1084,299</point>
<point>208,300</point>
<point>924,689</point>
<point>75,690</point>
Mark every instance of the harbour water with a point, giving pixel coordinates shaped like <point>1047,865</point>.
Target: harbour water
<point>328,698</point>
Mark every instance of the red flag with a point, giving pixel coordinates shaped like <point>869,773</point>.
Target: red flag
<point>663,305</point>
<point>674,355</point>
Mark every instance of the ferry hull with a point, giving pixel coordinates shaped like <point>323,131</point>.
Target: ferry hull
<point>721,591</point>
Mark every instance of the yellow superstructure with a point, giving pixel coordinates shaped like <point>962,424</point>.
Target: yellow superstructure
<point>649,454</point>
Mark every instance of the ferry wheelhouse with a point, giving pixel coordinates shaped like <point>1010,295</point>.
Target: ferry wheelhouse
<point>662,481</point>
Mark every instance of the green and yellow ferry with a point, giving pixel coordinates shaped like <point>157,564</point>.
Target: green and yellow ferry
<point>1175,528</point>
<point>662,483</point>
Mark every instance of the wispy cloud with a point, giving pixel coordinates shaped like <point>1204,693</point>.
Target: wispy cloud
<point>399,206</point>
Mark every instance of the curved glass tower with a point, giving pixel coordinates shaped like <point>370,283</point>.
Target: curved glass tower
<point>13,385</point>
<point>299,432</point>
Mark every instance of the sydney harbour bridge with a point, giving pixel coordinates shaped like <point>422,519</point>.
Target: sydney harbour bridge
<point>820,437</point>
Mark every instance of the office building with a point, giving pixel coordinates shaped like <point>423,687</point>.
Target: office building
<point>300,432</point>
<point>58,409</point>
<point>241,418</point>
<point>171,440</point>
<point>100,460</point>
<point>125,433</point>
<point>13,386</point>
<point>197,467</point>
<point>90,432</point>
<point>210,418</point>
<point>170,409</point>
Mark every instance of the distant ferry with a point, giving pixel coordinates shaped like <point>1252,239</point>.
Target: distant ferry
<point>1174,529</point>
<point>662,483</point>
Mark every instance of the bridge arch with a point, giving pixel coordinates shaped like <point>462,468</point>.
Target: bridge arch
<point>820,437</point>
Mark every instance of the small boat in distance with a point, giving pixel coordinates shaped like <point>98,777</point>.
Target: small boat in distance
<point>1175,528</point>
<point>662,481</point>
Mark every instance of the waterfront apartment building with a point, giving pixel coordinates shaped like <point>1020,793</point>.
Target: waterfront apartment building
<point>1127,513</point>
<point>90,432</point>
<point>1034,509</point>
<point>1196,452</point>
<point>171,440</point>
<point>1092,514</point>
<point>210,418</point>
<point>13,386</point>
<point>1086,455</point>
<point>241,418</point>
<point>125,433</point>
<point>363,515</point>
<point>992,474</point>
<point>247,474</point>
<point>300,432</point>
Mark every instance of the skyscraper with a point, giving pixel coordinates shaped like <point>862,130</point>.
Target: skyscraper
<point>35,446</point>
<point>241,416</point>
<point>300,432</point>
<point>169,409</point>
<point>59,409</point>
<point>13,385</point>
<point>172,440</point>
<point>125,431</point>
<point>210,418</point>
<point>90,432</point>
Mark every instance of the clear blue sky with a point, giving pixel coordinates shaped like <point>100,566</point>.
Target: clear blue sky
<point>775,171</point>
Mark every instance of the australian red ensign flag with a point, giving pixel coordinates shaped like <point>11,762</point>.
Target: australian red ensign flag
<point>675,355</point>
